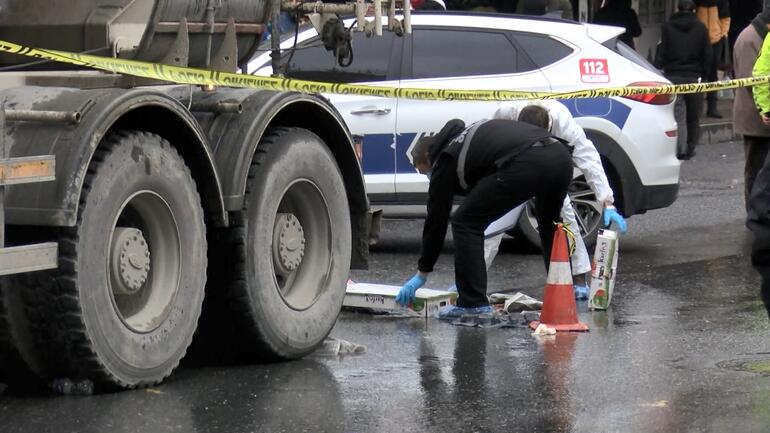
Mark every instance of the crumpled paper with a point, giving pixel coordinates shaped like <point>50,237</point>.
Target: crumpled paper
<point>544,330</point>
<point>515,302</point>
<point>336,346</point>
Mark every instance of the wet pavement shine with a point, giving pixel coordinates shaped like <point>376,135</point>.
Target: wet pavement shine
<point>684,347</point>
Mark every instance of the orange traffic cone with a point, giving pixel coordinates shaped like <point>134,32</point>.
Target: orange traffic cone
<point>559,309</point>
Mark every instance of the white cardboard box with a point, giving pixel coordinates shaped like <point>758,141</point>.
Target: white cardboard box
<point>383,297</point>
<point>603,269</point>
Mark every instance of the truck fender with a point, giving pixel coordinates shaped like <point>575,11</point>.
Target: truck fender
<point>73,145</point>
<point>235,137</point>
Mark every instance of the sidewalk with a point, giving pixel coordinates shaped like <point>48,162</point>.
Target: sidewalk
<point>718,130</point>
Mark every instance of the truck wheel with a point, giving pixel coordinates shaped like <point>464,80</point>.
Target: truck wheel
<point>587,209</point>
<point>289,249</point>
<point>20,364</point>
<point>132,273</point>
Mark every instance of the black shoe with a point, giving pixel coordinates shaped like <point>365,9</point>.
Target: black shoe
<point>713,113</point>
<point>682,156</point>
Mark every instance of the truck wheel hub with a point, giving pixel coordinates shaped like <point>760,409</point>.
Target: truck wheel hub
<point>288,243</point>
<point>130,261</point>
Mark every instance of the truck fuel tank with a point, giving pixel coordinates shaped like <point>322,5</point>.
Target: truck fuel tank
<point>147,30</point>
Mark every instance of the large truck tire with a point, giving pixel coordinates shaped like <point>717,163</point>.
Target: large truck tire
<point>123,305</point>
<point>20,364</point>
<point>285,260</point>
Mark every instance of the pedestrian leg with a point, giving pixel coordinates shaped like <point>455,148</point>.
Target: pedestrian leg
<point>711,97</point>
<point>759,223</point>
<point>694,104</point>
<point>581,263</point>
<point>681,127</point>
<point>755,149</point>
<point>549,200</point>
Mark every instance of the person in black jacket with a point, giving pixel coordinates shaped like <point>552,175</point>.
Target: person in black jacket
<point>497,165</point>
<point>620,13</point>
<point>684,54</point>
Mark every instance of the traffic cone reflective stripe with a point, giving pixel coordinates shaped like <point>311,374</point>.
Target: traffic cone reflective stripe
<point>559,273</point>
<point>559,309</point>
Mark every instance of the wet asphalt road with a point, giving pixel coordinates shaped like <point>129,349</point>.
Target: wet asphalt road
<point>685,347</point>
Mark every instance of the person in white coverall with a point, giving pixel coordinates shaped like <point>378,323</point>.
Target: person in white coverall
<point>586,158</point>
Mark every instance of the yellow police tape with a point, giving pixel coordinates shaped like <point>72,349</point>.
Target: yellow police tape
<point>183,75</point>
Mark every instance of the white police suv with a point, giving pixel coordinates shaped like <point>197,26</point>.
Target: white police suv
<point>635,135</point>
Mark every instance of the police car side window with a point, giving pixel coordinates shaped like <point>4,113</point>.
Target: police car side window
<point>541,49</point>
<point>371,55</point>
<point>438,53</point>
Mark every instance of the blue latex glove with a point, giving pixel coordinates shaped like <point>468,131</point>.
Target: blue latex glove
<point>406,294</point>
<point>611,215</point>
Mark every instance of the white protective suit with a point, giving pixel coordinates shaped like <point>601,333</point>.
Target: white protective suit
<point>586,159</point>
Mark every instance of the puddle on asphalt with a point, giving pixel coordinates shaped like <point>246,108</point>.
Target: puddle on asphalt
<point>759,366</point>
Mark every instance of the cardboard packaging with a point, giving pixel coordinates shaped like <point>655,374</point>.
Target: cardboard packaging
<point>603,269</point>
<point>383,297</point>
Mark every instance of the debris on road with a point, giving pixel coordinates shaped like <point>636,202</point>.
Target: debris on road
<point>65,386</point>
<point>381,297</point>
<point>515,302</point>
<point>544,330</point>
<point>336,346</point>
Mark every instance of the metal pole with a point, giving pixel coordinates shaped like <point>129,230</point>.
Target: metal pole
<point>3,155</point>
<point>43,116</point>
<point>275,37</point>
<point>234,107</point>
<point>407,16</point>
<point>378,17</point>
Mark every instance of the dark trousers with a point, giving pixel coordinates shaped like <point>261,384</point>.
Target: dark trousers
<point>540,172</point>
<point>717,55</point>
<point>759,223</point>
<point>755,149</point>
<point>687,112</point>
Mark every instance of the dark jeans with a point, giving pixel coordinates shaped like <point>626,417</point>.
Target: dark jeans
<point>687,112</point>
<point>759,223</point>
<point>540,172</point>
<point>718,50</point>
<point>755,149</point>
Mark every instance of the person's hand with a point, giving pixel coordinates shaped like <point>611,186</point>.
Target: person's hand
<point>406,294</point>
<point>766,118</point>
<point>611,215</point>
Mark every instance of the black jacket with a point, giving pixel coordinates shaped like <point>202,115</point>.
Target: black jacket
<point>685,49</point>
<point>619,13</point>
<point>493,144</point>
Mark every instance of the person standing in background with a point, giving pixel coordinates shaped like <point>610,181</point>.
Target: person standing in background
<point>684,54</point>
<point>715,15</point>
<point>746,119</point>
<point>620,13</point>
<point>531,7</point>
<point>758,210</point>
<point>553,9</point>
<point>741,14</point>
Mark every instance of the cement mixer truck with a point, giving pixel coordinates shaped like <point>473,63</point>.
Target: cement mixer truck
<point>141,220</point>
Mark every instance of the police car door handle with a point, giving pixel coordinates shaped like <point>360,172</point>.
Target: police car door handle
<point>377,111</point>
